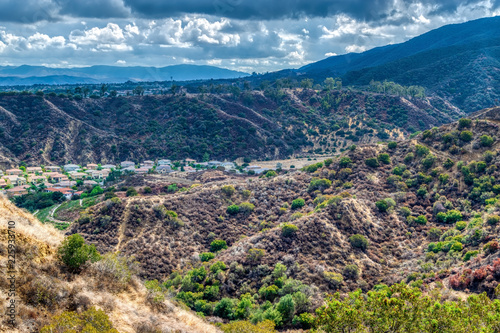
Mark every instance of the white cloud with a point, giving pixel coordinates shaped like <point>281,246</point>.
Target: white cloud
<point>330,54</point>
<point>110,34</point>
<point>355,48</point>
<point>121,62</point>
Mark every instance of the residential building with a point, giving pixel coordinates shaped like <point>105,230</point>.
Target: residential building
<point>11,179</point>
<point>149,163</point>
<point>108,166</point>
<point>14,172</point>
<point>71,167</point>
<point>164,162</point>
<point>228,166</point>
<point>65,183</point>
<point>52,168</point>
<point>78,175</point>
<point>36,179</point>
<point>34,170</point>
<point>21,181</point>
<point>3,183</point>
<point>190,160</point>
<point>92,166</point>
<point>90,182</point>
<point>59,177</point>
<point>18,190</point>
<point>67,192</point>
<point>189,169</point>
<point>164,168</point>
<point>126,164</point>
<point>214,163</point>
<point>129,169</point>
<point>142,170</point>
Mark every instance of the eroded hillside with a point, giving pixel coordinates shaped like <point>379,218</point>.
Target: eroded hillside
<point>274,123</point>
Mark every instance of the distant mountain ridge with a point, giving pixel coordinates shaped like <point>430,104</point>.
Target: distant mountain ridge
<point>29,75</point>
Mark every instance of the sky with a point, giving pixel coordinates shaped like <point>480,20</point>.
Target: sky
<point>246,35</point>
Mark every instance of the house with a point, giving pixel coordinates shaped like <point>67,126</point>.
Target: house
<point>67,192</point>
<point>257,169</point>
<point>34,170</point>
<point>52,168</point>
<point>164,162</point>
<point>78,175</point>
<point>11,179</point>
<point>90,182</point>
<point>214,163</point>
<point>59,177</point>
<point>190,160</point>
<point>21,181</point>
<point>92,166</point>
<point>164,169</point>
<point>65,183</point>
<point>71,167</point>
<point>129,169</point>
<point>189,169</point>
<point>149,163</point>
<point>108,166</point>
<point>142,170</point>
<point>17,191</point>
<point>3,183</point>
<point>14,172</point>
<point>127,164</point>
<point>228,166</point>
<point>36,179</point>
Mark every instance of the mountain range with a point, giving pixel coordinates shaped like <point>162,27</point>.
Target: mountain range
<point>31,75</point>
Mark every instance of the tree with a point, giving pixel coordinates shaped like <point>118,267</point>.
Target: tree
<point>217,245</point>
<point>73,252</point>
<point>359,241</point>
<point>103,90</point>
<point>139,91</point>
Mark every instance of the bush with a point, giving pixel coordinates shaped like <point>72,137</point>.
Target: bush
<point>270,173</point>
<point>286,307</point>
<point>421,150</point>
<point>384,158</point>
<point>464,123</point>
<point>328,162</point>
<point>228,190</point>
<point>298,203</point>
<point>217,267</point>
<point>428,162</point>
<point>359,241</point>
<point>206,256</point>
<point>246,207</point>
<point>434,233</point>
<point>304,320</point>
<point>409,158</point>
<point>460,225</point>
<point>457,247</point>
<point>218,245</point>
<point>131,192</point>
<point>466,136</point>
<point>448,163</point>
<point>392,145</point>
<point>345,162</point>
<point>73,252</point>
<point>335,280</point>
<point>267,326</point>
<point>289,229</point>
<point>233,209</point>
<point>486,140</point>
<point>382,205</point>
<point>351,272</point>
<point>493,219</point>
<point>92,320</point>
<point>470,254</point>
<point>255,255</point>
<point>319,184</point>
<point>224,308</point>
<point>421,219</point>
<point>372,162</point>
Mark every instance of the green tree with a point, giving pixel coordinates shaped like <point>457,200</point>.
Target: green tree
<point>74,252</point>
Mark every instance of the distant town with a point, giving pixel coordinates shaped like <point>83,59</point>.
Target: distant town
<point>67,179</point>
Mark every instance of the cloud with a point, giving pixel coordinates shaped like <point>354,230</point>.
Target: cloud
<point>93,8</point>
<point>27,11</point>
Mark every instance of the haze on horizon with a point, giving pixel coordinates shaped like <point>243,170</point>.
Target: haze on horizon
<point>245,35</point>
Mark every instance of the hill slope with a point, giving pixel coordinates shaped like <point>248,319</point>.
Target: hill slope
<point>276,123</point>
<point>46,289</point>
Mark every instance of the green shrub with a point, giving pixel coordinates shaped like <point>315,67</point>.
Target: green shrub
<point>218,245</point>
<point>269,293</point>
<point>409,158</point>
<point>448,163</point>
<point>271,173</point>
<point>392,145</point>
<point>421,150</point>
<point>488,156</point>
<point>351,272</point>
<point>267,326</point>
<point>466,136</point>
<point>493,219</point>
<point>421,219</point>
<point>73,252</point>
<point>453,216</point>
<point>359,241</point>
<point>384,158</point>
<point>228,190</point>
<point>304,320</point>
<point>372,162</point>
<point>206,256</point>
<point>457,246</point>
<point>434,233</point>
<point>460,225</point>
<point>470,254</point>
<point>382,205</point>
<point>224,308</point>
<point>319,184</point>
<point>288,229</point>
<point>131,192</point>
<point>298,203</point>
<point>345,162</point>
<point>255,255</point>
<point>328,162</point>
<point>428,161</point>
<point>464,123</point>
<point>217,267</point>
<point>486,140</point>
<point>335,280</point>
<point>91,320</point>
<point>286,307</point>
<point>246,207</point>
<point>233,209</point>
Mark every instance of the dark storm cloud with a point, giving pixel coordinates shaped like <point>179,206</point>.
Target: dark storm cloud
<point>28,11</point>
<point>260,9</point>
<point>93,8</point>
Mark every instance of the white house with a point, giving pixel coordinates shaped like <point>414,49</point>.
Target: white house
<point>126,164</point>
<point>164,162</point>
<point>164,169</point>
<point>71,167</point>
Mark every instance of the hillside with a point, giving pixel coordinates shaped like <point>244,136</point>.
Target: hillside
<point>423,211</point>
<point>46,289</point>
<point>275,123</point>
<point>32,75</point>
<point>458,62</point>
